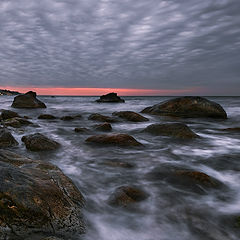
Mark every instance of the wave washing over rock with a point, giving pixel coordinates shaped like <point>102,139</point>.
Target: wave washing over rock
<point>169,188</point>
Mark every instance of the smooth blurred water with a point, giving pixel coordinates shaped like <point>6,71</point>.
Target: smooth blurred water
<point>171,212</point>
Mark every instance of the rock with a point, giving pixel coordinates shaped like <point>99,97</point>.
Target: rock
<point>7,139</point>
<point>236,129</point>
<point>17,122</point>
<point>46,116</point>
<point>122,140</point>
<point>188,107</point>
<point>178,130</point>
<point>105,127</point>
<point>39,142</point>
<point>36,198</point>
<point>51,238</point>
<point>101,118</point>
<point>7,114</point>
<point>110,98</point>
<point>118,164</point>
<point>131,116</point>
<point>27,100</point>
<point>81,130</point>
<point>70,118</point>
<point>126,195</point>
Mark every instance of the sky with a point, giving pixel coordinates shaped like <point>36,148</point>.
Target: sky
<point>134,47</point>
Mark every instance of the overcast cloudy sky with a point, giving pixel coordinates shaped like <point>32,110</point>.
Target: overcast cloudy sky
<point>146,44</point>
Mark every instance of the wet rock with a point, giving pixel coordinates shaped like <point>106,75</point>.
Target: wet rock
<point>7,139</point>
<point>105,127</point>
<point>126,195</point>
<point>27,100</point>
<point>236,129</point>
<point>122,140</point>
<point>51,238</point>
<point>81,130</point>
<point>177,130</point>
<point>46,116</point>
<point>192,107</point>
<point>131,116</point>
<point>39,142</point>
<point>16,122</point>
<point>118,164</point>
<point>110,98</point>
<point>101,118</point>
<point>7,114</point>
<point>37,198</point>
<point>70,118</point>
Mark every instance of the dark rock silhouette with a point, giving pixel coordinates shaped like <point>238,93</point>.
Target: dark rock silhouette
<point>101,118</point>
<point>126,195</point>
<point>178,130</point>
<point>46,116</point>
<point>27,100</point>
<point>131,116</point>
<point>36,196</point>
<point>70,118</point>
<point>122,140</point>
<point>110,98</point>
<point>39,142</point>
<point>7,139</point>
<point>7,114</point>
<point>192,107</point>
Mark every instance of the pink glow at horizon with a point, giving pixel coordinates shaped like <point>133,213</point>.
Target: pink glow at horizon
<point>100,91</point>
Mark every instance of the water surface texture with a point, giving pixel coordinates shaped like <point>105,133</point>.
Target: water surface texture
<point>171,211</point>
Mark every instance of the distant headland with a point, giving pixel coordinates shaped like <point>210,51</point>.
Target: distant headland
<point>8,92</point>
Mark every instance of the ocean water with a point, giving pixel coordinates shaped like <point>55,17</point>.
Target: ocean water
<point>171,211</point>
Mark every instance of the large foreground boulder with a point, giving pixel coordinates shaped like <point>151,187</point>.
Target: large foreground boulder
<point>37,198</point>
<point>122,140</point>
<point>27,100</point>
<point>38,142</point>
<point>7,139</point>
<point>192,107</point>
<point>130,116</point>
<point>110,98</point>
<point>178,130</point>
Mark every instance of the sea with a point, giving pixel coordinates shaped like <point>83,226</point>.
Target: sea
<point>172,211</point>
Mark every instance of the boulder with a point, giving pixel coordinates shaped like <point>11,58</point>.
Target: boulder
<point>46,116</point>
<point>104,127</point>
<point>81,130</point>
<point>101,118</point>
<point>27,100</point>
<point>7,139</point>
<point>130,116</point>
<point>36,198</point>
<point>110,98</point>
<point>39,142</point>
<point>122,140</point>
<point>7,114</point>
<point>178,130</point>
<point>126,195</point>
<point>17,122</point>
<point>188,107</point>
<point>70,118</point>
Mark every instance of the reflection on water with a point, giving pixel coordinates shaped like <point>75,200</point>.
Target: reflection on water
<point>171,212</point>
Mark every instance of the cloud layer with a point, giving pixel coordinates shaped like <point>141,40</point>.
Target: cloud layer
<point>152,44</point>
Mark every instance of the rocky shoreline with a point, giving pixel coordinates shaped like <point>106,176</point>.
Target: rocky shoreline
<point>51,203</point>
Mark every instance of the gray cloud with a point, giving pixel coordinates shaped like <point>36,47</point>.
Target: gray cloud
<point>129,44</point>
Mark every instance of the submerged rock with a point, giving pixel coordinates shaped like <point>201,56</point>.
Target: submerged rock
<point>70,118</point>
<point>178,130</point>
<point>7,114</point>
<point>7,139</point>
<point>110,98</point>
<point>81,130</point>
<point>101,118</point>
<point>39,142</point>
<point>126,195</point>
<point>122,140</point>
<point>235,129</point>
<point>27,100</point>
<point>104,127</point>
<point>46,116</point>
<point>192,107</point>
<point>118,164</point>
<point>131,116</point>
<point>37,198</point>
